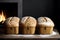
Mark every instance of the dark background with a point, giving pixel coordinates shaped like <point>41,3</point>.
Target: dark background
<point>9,9</point>
<point>38,8</point>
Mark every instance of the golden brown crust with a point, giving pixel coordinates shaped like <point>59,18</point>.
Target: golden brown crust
<point>29,21</point>
<point>12,22</point>
<point>45,21</point>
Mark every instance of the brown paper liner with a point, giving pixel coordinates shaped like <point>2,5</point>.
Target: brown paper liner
<point>28,30</point>
<point>12,30</point>
<point>45,29</point>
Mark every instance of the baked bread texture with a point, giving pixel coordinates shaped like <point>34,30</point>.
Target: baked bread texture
<point>12,25</point>
<point>45,25</point>
<point>28,25</point>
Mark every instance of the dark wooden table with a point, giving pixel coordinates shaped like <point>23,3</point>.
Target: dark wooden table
<point>54,37</point>
<point>24,36</point>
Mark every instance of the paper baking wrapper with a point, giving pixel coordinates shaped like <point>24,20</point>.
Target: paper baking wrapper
<point>12,30</point>
<point>45,29</point>
<point>28,30</point>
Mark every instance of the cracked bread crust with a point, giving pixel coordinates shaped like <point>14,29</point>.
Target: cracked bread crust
<point>45,21</point>
<point>12,22</point>
<point>29,21</point>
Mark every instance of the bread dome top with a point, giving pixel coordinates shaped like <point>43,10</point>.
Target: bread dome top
<point>29,21</point>
<point>12,22</point>
<point>45,21</point>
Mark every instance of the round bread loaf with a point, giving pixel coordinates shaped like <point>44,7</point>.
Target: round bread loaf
<point>28,24</point>
<point>12,25</point>
<point>45,25</point>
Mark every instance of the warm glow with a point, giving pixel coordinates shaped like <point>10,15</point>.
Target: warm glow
<point>2,17</point>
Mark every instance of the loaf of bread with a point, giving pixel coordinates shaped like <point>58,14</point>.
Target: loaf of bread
<point>28,25</point>
<point>12,25</point>
<point>45,25</point>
